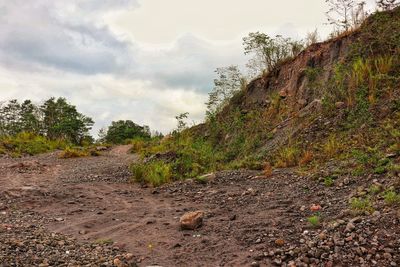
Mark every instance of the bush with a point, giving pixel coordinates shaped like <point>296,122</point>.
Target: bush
<point>154,173</point>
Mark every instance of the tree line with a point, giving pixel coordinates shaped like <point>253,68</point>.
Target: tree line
<point>56,119</point>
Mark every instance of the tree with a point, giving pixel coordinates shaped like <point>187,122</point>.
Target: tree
<point>345,14</point>
<point>120,131</point>
<point>387,4</point>
<point>229,81</point>
<point>55,119</point>
<point>181,120</point>
<point>62,121</point>
<point>268,52</point>
<point>312,38</point>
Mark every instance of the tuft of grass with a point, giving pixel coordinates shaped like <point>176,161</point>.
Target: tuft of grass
<point>362,205</point>
<point>104,241</point>
<point>306,158</point>
<point>155,173</point>
<point>267,171</point>
<point>287,157</point>
<point>329,181</point>
<point>374,189</point>
<point>70,152</point>
<point>332,147</point>
<point>314,220</point>
<point>391,197</point>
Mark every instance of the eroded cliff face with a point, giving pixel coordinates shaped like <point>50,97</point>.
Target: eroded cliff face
<point>292,79</point>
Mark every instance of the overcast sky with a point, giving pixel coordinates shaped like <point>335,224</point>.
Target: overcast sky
<point>144,60</point>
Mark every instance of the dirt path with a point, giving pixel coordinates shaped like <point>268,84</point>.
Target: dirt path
<point>250,220</point>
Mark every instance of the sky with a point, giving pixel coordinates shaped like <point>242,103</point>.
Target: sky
<point>142,60</point>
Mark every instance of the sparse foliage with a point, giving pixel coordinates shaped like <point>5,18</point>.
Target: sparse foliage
<point>228,82</point>
<point>312,38</point>
<point>268,52</point>
<point>346,14</point>
<point>387,4</point>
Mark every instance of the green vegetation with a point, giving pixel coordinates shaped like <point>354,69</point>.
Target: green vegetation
<point>362,205</point>
<point>27,128</point>
<point>155,173</point>
<point>28,143</point>
<point>391,197</point>
<point>355,118</point>
<point>314,220</point>
<point>120,132</point>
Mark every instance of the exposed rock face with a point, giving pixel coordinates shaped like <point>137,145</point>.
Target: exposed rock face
<point>290,79</point>
<point>192,220</point>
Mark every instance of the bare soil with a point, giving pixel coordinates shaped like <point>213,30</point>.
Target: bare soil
<point>102,219</point>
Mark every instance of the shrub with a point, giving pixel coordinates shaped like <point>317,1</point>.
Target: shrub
<point>154,173</point>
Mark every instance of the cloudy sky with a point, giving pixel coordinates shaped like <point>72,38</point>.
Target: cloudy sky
<point>144,60</point>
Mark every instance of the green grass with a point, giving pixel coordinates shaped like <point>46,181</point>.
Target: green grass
<point>155,173</point>
<point>361,205</point>
<point>329,181</point>
<point>314,220</point>
<point>391,197</point>
<point>71,152</point>
<point>28,144</point>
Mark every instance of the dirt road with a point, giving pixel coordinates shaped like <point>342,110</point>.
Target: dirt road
<point>250,219</point>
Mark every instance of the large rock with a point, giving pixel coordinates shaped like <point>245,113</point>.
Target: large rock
<point>192,220</point>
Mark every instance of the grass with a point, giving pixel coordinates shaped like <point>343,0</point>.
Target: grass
<point>26,143</point>
<point>70,152</point>
<point>361,205</point>
<point>314,220</point>
<point>329,181</point>
<point>287,157</point>
<point>391,197</point>
<point>104,241</point>
<point>155,173</point>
